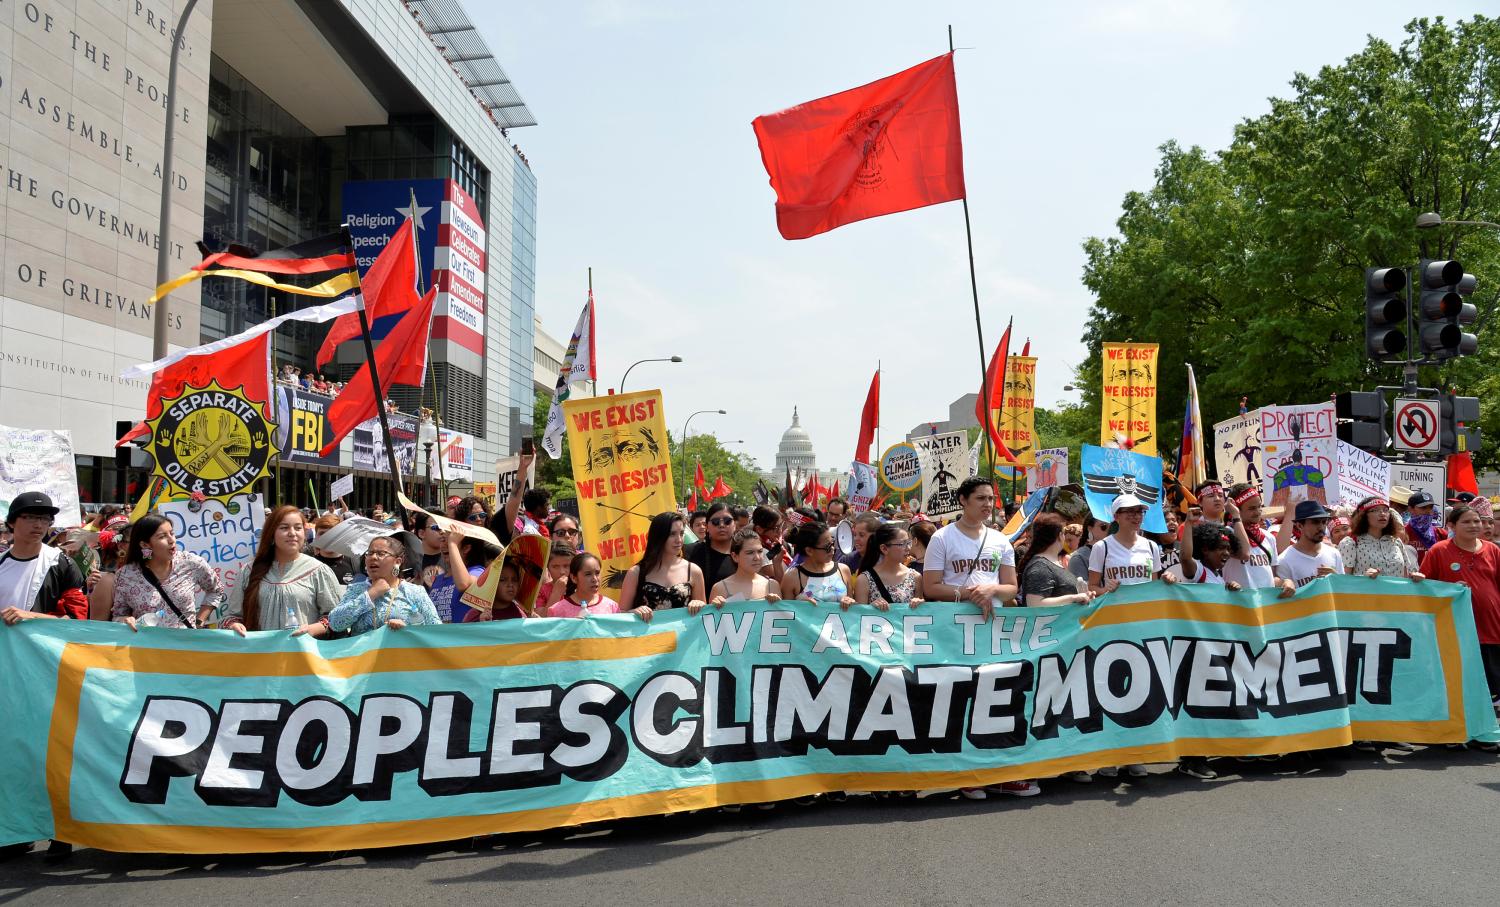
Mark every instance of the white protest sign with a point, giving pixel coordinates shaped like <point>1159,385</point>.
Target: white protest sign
<point>945,463</point>
<point>507,471</point>
<point>39,459</point>
<point>342,487</point>
<point>1300,454</point>
<point>861,490</point>
<point>1361,474</point>
<point>1050,471</point>
<point>1237,454</point>
<point>224,535</point>
<point>1427,477</point>
<point>352,536</point>
<point>457,452</point>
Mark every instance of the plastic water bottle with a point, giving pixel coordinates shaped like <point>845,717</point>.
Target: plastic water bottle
<point>290,621</point>
<point>156,618</point>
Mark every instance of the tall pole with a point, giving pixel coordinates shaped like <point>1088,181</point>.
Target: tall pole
<point>984,374</point>
<point>437,412</point>
<point>164,222</point>
<point>364,329</point>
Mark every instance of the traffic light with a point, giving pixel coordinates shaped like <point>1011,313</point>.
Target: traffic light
<point>1368,414</point>
<point>1442,313</point>
<point>1385,312</point>
<point>1459,420</point>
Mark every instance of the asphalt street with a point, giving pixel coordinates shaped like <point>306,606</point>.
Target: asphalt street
<point>1389,828</point>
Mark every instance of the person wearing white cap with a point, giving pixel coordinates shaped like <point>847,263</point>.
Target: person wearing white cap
<point>1124,558</point>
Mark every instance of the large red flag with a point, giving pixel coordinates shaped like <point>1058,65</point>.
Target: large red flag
<point>720,489</point>
<point>994,379</point>
<point>867,421</point>
<point>395,268</point>
<point>888,146</point>
<point>401,359</point>
<point>1461,474</point>
<point>699,481</point>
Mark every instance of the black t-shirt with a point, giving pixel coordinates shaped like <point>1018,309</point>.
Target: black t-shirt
<point>715,566</point>
<point>1046,578</point>
<point>342,567</point>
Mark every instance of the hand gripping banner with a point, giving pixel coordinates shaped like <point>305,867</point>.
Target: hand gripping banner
<point>197,742</point>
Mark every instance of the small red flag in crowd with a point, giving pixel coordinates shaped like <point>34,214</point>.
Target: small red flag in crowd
<point>720,490</point>
<point>995,385</point>
<point>868,419</point>
<point>889,146</point>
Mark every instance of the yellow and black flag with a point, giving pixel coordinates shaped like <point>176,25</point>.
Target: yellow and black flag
<point>313,256</point>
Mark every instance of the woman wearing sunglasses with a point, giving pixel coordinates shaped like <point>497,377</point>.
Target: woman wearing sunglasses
<point>388,597</point>
<point>712,554</point>
<point>817,578</point>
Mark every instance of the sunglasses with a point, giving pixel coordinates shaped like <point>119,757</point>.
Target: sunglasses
<point>721,521</point>
<point>565,532</point>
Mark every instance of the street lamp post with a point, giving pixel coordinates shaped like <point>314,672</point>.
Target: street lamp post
<point>634,364</point>
<point>1433,219</point>
<point>164,225</point>
<point>684,442</point>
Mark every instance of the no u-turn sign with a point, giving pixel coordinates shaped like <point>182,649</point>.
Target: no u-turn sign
<point>1416,424</point>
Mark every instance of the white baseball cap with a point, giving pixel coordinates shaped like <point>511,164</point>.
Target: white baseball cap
<point>1124,500</point>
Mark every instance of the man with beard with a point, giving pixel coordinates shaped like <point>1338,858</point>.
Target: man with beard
<point>1309,558</point>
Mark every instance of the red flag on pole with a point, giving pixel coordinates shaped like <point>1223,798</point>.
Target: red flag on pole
<point>995,380</point>
<point>692,501</point>
<point>395,268</point>
<point>1461,474</point>
<point>889,146</point>
<point>834,491</point>
<point>699,481</point>
<point>720,490</point>
<point>401,358</point>
<point>867,421</point>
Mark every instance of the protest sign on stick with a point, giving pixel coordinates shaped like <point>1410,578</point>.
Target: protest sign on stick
<point>1128,414</point>
<point>1237,454</point>
<point>1299,449</point>
<point>945,463</point>
<point>39,459</point>
<point>1051,469</point>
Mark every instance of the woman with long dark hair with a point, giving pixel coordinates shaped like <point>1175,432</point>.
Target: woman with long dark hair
<point>1045,577</point>
<point>817,577</point>
<point>281,588</point>
<point>884,579</point>
<point>663,578</point>
<point>1373,546</point>
<point>159,585</point>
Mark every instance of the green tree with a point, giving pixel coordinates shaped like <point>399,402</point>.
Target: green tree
<point>1249,263</point>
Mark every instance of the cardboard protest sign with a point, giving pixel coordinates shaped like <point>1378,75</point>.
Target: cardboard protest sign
<point>352,536</point>
<point>225,534</point>
<point>342,487</point>
<point>945,464</point>
<point>450,525</point>
<point>1017,424</point>
<point>1109,472</point>
<point>1299,447</point>
<point>1051,469</point>
<point>1237,453</point>
<point>1361,474</point>
<point>527,554</point>
<point>39,459</point>
<point>861,487</point>
<point>507,473</point>
<point>1128,417</point>
<point>622,468</point>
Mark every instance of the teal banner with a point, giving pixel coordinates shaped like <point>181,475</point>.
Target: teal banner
<point>186,741</point>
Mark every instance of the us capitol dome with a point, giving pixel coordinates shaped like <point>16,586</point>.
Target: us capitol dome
<point>796,452</point>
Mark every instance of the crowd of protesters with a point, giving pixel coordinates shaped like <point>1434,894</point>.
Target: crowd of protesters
<point>134,573</point>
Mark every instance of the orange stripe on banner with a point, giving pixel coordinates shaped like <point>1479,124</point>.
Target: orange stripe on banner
<point>211,839</point>
<point>1277,612</point>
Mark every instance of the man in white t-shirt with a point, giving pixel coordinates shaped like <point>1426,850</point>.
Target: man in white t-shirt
<point>1309,558</point>
<point>967,560</point>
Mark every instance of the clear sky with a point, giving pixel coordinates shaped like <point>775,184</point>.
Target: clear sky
<point>649,172</point>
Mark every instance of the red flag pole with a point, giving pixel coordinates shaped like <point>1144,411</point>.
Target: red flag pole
<point>364,328</point>
<point>984,373</point>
